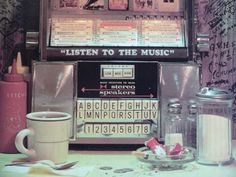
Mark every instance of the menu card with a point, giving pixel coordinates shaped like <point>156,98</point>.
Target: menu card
<point>118,4</point>
<point>144,5</point>
<point>68,3</point>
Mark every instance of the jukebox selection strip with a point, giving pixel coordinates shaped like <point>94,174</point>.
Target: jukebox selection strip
<point>88,32</point>
<point>162,33</point>
<point>69,32</point>
<point>119,32</point>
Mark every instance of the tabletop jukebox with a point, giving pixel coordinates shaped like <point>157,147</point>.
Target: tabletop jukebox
<point>123,60</point>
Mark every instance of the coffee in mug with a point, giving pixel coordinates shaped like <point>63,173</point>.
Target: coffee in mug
<point>47,136</point>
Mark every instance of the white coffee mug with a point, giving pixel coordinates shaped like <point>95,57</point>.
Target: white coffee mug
<point>48,136</point>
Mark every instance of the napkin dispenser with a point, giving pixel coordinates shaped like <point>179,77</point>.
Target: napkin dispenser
<point>54,88</point>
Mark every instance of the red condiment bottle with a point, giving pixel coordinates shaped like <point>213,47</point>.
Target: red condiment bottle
<point>13,108</point>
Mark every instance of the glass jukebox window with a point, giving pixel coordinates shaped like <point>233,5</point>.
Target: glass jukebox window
<point>82,32</point>
<point>75,25</point>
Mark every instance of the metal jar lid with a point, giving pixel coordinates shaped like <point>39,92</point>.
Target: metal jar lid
<point>192,107</point>
<point>214,93</point>
<point>174,106</point>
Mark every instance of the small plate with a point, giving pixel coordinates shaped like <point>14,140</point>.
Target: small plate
<point>169,161</point>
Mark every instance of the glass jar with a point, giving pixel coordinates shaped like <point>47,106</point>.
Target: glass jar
<point>214,134</point>
<point>174,124</point>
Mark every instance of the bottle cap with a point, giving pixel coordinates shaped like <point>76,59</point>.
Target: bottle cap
<point>19,67</point>
<point>214,93</point>
<point>13,76</point>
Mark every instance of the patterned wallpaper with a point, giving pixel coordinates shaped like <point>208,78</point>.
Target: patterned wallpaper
<point>16,17</point>
<point>218,19</point>
<point>11,30</point>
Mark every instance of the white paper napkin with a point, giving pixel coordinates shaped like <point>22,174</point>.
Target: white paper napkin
<point>38,169</point>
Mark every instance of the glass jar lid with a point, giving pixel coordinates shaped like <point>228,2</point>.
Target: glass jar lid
<point>214,93</point>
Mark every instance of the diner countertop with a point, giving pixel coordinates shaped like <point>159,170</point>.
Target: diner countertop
<point>115,164</point>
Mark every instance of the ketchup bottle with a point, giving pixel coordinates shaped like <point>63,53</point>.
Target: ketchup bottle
<point>13,108</point>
